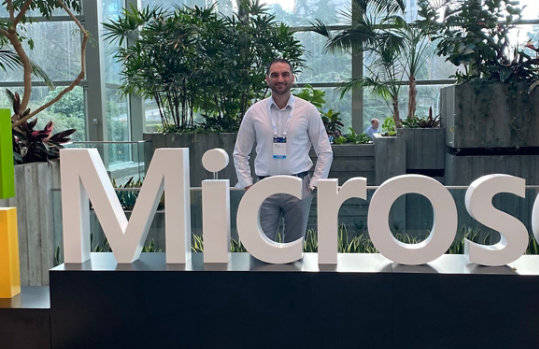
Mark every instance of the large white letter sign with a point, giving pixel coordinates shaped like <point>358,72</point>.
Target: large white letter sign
<point>216,209</point>
<point>330,200</point>
<point>443,230</point>
<point>248,221</point>
<point>535,218</point>
<point>514,235</point>
<point>84,177</point>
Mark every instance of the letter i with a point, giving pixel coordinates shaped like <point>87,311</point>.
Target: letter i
<point>10,277</point>
<point>216,209</point>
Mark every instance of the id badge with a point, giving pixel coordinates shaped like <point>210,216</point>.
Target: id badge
<point>279,147</point>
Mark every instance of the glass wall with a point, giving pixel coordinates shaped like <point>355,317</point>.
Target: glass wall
<point>57,50</point>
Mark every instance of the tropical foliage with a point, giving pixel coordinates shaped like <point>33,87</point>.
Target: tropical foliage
<point>29,144</point>
<point>394,49</point>
<point>194,60</point>
<point>331,118</point>
<point>475,34</point>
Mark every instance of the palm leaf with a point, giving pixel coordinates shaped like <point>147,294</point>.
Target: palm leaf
<point>11,60</point>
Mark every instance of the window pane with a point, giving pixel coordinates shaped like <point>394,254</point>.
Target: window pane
<point>170,4</point>
<point>117,120</point>
<point>532,9</point>
<point>521,34</point>
<point>303,12</point>
<point>151,116</point>
<point>319,65</point>
<point>56,51</point>
<point>36,13</point>
<point>67,113</point>
<point>111,10</point>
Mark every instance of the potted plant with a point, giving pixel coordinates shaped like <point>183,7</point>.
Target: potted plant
<point>425,144</point>
<point>202,69</point>
<point>493,105</point>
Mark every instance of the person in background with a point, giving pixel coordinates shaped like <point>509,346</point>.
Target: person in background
<point>374,128</point>
<point>284,128</point>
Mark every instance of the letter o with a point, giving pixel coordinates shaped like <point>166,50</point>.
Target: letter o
<point>535,218</point>
<point>444,227</point>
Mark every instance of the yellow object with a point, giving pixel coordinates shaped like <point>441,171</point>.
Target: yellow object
<point>10,277</point>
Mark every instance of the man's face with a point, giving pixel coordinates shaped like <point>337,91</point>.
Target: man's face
<point>280,78</point>
<point>375,123</point>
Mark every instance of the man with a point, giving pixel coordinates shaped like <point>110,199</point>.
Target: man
<point>284,128</point>
<point>371,130</point>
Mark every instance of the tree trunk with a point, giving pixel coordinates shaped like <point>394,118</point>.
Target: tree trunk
<point>412,96</point>
<point>396,114</point>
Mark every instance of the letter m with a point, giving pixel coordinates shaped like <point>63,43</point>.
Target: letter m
<point>85,179</point>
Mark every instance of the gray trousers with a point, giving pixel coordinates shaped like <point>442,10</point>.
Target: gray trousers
<point>294,211</point>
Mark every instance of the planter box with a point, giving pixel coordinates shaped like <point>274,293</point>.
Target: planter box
<point>490,116</point>
<point>34,183</point>
<point>425,148</point>
<point>390,155</point>
<point>350,160</point>
<point>198,144</point>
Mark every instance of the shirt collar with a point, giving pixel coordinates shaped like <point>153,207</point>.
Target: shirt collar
<point>289,104</point>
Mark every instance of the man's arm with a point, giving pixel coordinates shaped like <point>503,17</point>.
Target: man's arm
<point>322,147</point>
<point>242,149</point>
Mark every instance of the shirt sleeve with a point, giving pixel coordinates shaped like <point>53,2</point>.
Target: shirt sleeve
<point>322,147</point>
<point>242,149</point>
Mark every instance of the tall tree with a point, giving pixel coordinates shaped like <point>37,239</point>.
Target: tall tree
<point>12,33</point>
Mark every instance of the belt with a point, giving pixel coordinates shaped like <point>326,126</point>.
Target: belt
<point>300,175</point>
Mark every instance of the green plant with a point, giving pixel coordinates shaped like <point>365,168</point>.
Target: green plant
<point>331,119</point>
<point>418,122</point>
<point>332,122</point>
<point>355,138</point>
<point>128,192</point>
<point>388,127</point>
<point>126,196</point>
<point>312,95</point>
<point>373,31</point>
<point>352,137</point>
<point>197,245</point>
<point>195,60</point>
<point>475,34</point>
<point>533,246</point>
<point>31,145</point>
<point>474,235</point>
<point>310,243</point>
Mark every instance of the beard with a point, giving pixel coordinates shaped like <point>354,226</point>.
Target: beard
<point>280,89</point>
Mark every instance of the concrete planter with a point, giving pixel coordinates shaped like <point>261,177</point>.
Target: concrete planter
<point>490,116</point>
<point>390,156</point>
<point>351,160</point>
<point>198,144</point>
<point>425,148</point>
<point>34,183</point>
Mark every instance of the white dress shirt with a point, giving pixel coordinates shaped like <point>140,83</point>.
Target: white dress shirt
<point>303,126</point>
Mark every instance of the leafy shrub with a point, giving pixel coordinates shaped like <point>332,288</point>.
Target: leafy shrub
<point>331,119</point>
<point>194,60</point>
<point>427,122</point>
<point>388,127</point>
<point>475,33</point>
<point>31,145</point>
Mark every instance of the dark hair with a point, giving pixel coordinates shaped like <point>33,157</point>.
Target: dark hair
<point>278,60</point>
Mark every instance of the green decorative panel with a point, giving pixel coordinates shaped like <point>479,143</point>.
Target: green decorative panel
<point>7,171</point>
